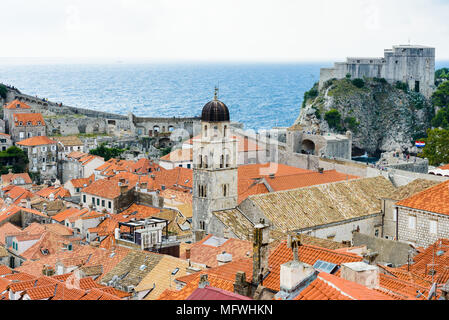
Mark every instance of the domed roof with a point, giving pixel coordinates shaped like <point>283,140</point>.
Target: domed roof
<point>215,111</point>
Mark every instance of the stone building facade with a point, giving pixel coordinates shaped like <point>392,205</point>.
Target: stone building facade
<point>423,218</point>
<point>328,146</point>
<point>27,125</point>
<point>43,156</point>
<point>411,64</point>
<point>214,165</point>
<point>5,141</point>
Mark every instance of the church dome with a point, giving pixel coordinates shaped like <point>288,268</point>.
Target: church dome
<point>215,111</point>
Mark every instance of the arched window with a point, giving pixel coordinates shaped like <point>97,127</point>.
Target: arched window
<point>227,161</point>
<point>222,161</point>
<point>225,131</point>
<point>205,131</point>
<point>225,190</point>
<point>200,158</point>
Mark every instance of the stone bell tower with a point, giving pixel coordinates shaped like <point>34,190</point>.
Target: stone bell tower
<point>214,167</point>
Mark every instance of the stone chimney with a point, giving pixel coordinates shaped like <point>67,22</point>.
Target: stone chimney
<point>294,274</point>
<point>123,188</point>
<point>361,273</point>
<point>9,171</point>
<point>187,253</point>
<point>241,286</point>
<point>224,258</point>
<point>260,251</point>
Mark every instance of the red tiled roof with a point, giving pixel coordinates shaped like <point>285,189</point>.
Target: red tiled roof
<point>330,287</point>
<point>108,188</point>
<point>4,270</point>
<point>28,119</point>
<point>13,105</point>
<point>308,254</point>
<point>8,228</point>
<point>433,199</point>
<point>58,192</point>
<point>83,182</point>
<point>36,141</point>
<point>63,215</point>
<point>10,177</point>
<point>205,254</point>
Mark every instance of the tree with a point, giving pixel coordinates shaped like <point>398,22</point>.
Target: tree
<point>13,158</point>
<point>437,146</point>
<point>359,83</point>
<point>106,153</point>
<point>352,124</point>
<point>333,118</point>
<point>440,97</point>
<point>3,91</point>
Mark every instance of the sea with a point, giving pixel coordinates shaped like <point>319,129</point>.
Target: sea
<point>259,95</point>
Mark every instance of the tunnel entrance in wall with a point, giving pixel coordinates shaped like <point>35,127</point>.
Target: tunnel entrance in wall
<point>308,147</point>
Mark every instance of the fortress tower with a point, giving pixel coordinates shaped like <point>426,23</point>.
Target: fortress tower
<point>411,64</point>
<point>214,166</point>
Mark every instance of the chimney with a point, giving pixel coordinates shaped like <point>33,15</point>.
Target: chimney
<point>187,253</point>
<point>143,185</point>
<point>9,170</point>
<point>117,233</point>
<point>320,170</point>
<point>295,274</point>
<point>203,281</point>
<point>272,175</point>
<point>260,251</point>
<point>123,189</point>
<point>241,286</point>
<point>224,258</point>
<point>361,273</point>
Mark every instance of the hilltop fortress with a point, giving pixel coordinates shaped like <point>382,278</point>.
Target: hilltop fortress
<point>411,64</point>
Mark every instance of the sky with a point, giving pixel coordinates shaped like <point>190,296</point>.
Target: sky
<point>219,30</point>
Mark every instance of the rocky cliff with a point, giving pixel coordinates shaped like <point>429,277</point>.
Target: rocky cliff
<point>382,117</point>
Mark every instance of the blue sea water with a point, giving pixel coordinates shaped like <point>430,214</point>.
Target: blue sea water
<point>259,95</point>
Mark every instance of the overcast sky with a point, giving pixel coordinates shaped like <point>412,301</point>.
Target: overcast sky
<point>220,30</point>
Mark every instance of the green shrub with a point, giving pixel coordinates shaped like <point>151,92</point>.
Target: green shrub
<point>333,118</point>
<point>348,76</point>
<point>106,153</point>
<point>380,80</point>
<point>3,91</point>
<point>440,97</point>
<point>351,123</point>
<point>317,113</point>
<point>401,86</point>
<point>359,83</point>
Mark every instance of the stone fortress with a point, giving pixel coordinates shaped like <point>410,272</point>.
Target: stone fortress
<point>411,64</point>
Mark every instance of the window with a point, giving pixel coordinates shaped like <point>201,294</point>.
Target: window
<point>28,123</point>
<point>188,166</point>
<point>93,200</point>
<point>376,233</point>
<point>433,226</point>
<point>225,190</point>
<point>205,131</point>
<point>77,189</point>
<point>102,203</point>
<point>22,135</point>
<point>412,222</point>
<point>109,204</point>
<point>84,198</point>
<point>44,149</point>
<point>202,225</point>
<point>98,201</point>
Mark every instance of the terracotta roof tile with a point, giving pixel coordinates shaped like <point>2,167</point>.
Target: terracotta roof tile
<point>28,119</point>
<point>16,104</point>
<point>433,199</point>
<point>36,141</point>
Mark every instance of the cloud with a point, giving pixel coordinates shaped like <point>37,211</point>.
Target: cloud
<point>253,30</point>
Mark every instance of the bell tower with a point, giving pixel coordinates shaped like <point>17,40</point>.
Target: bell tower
<point>214,166</point>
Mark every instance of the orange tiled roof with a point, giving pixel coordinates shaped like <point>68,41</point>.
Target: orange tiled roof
<point>108,188</point>
<point>184,293</point>
<point>330,287</point>
<point>36,141</point>
<point>433,199</point>
<point>205,254</point>
<point>83,182</point>
<point>181,177</point>
<point>13,209</point>
<point>28,119</point>
<point>58,192</point>
<point>17,193</point>
<point>63,215</point>
<point>10,177</point>
<point>8,228</point>
<point>4,270</point>
<point>13,105</point>
<point>308,254</point>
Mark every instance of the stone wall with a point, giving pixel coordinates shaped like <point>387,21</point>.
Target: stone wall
<point>389,251</point>
<point>421,235</point>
